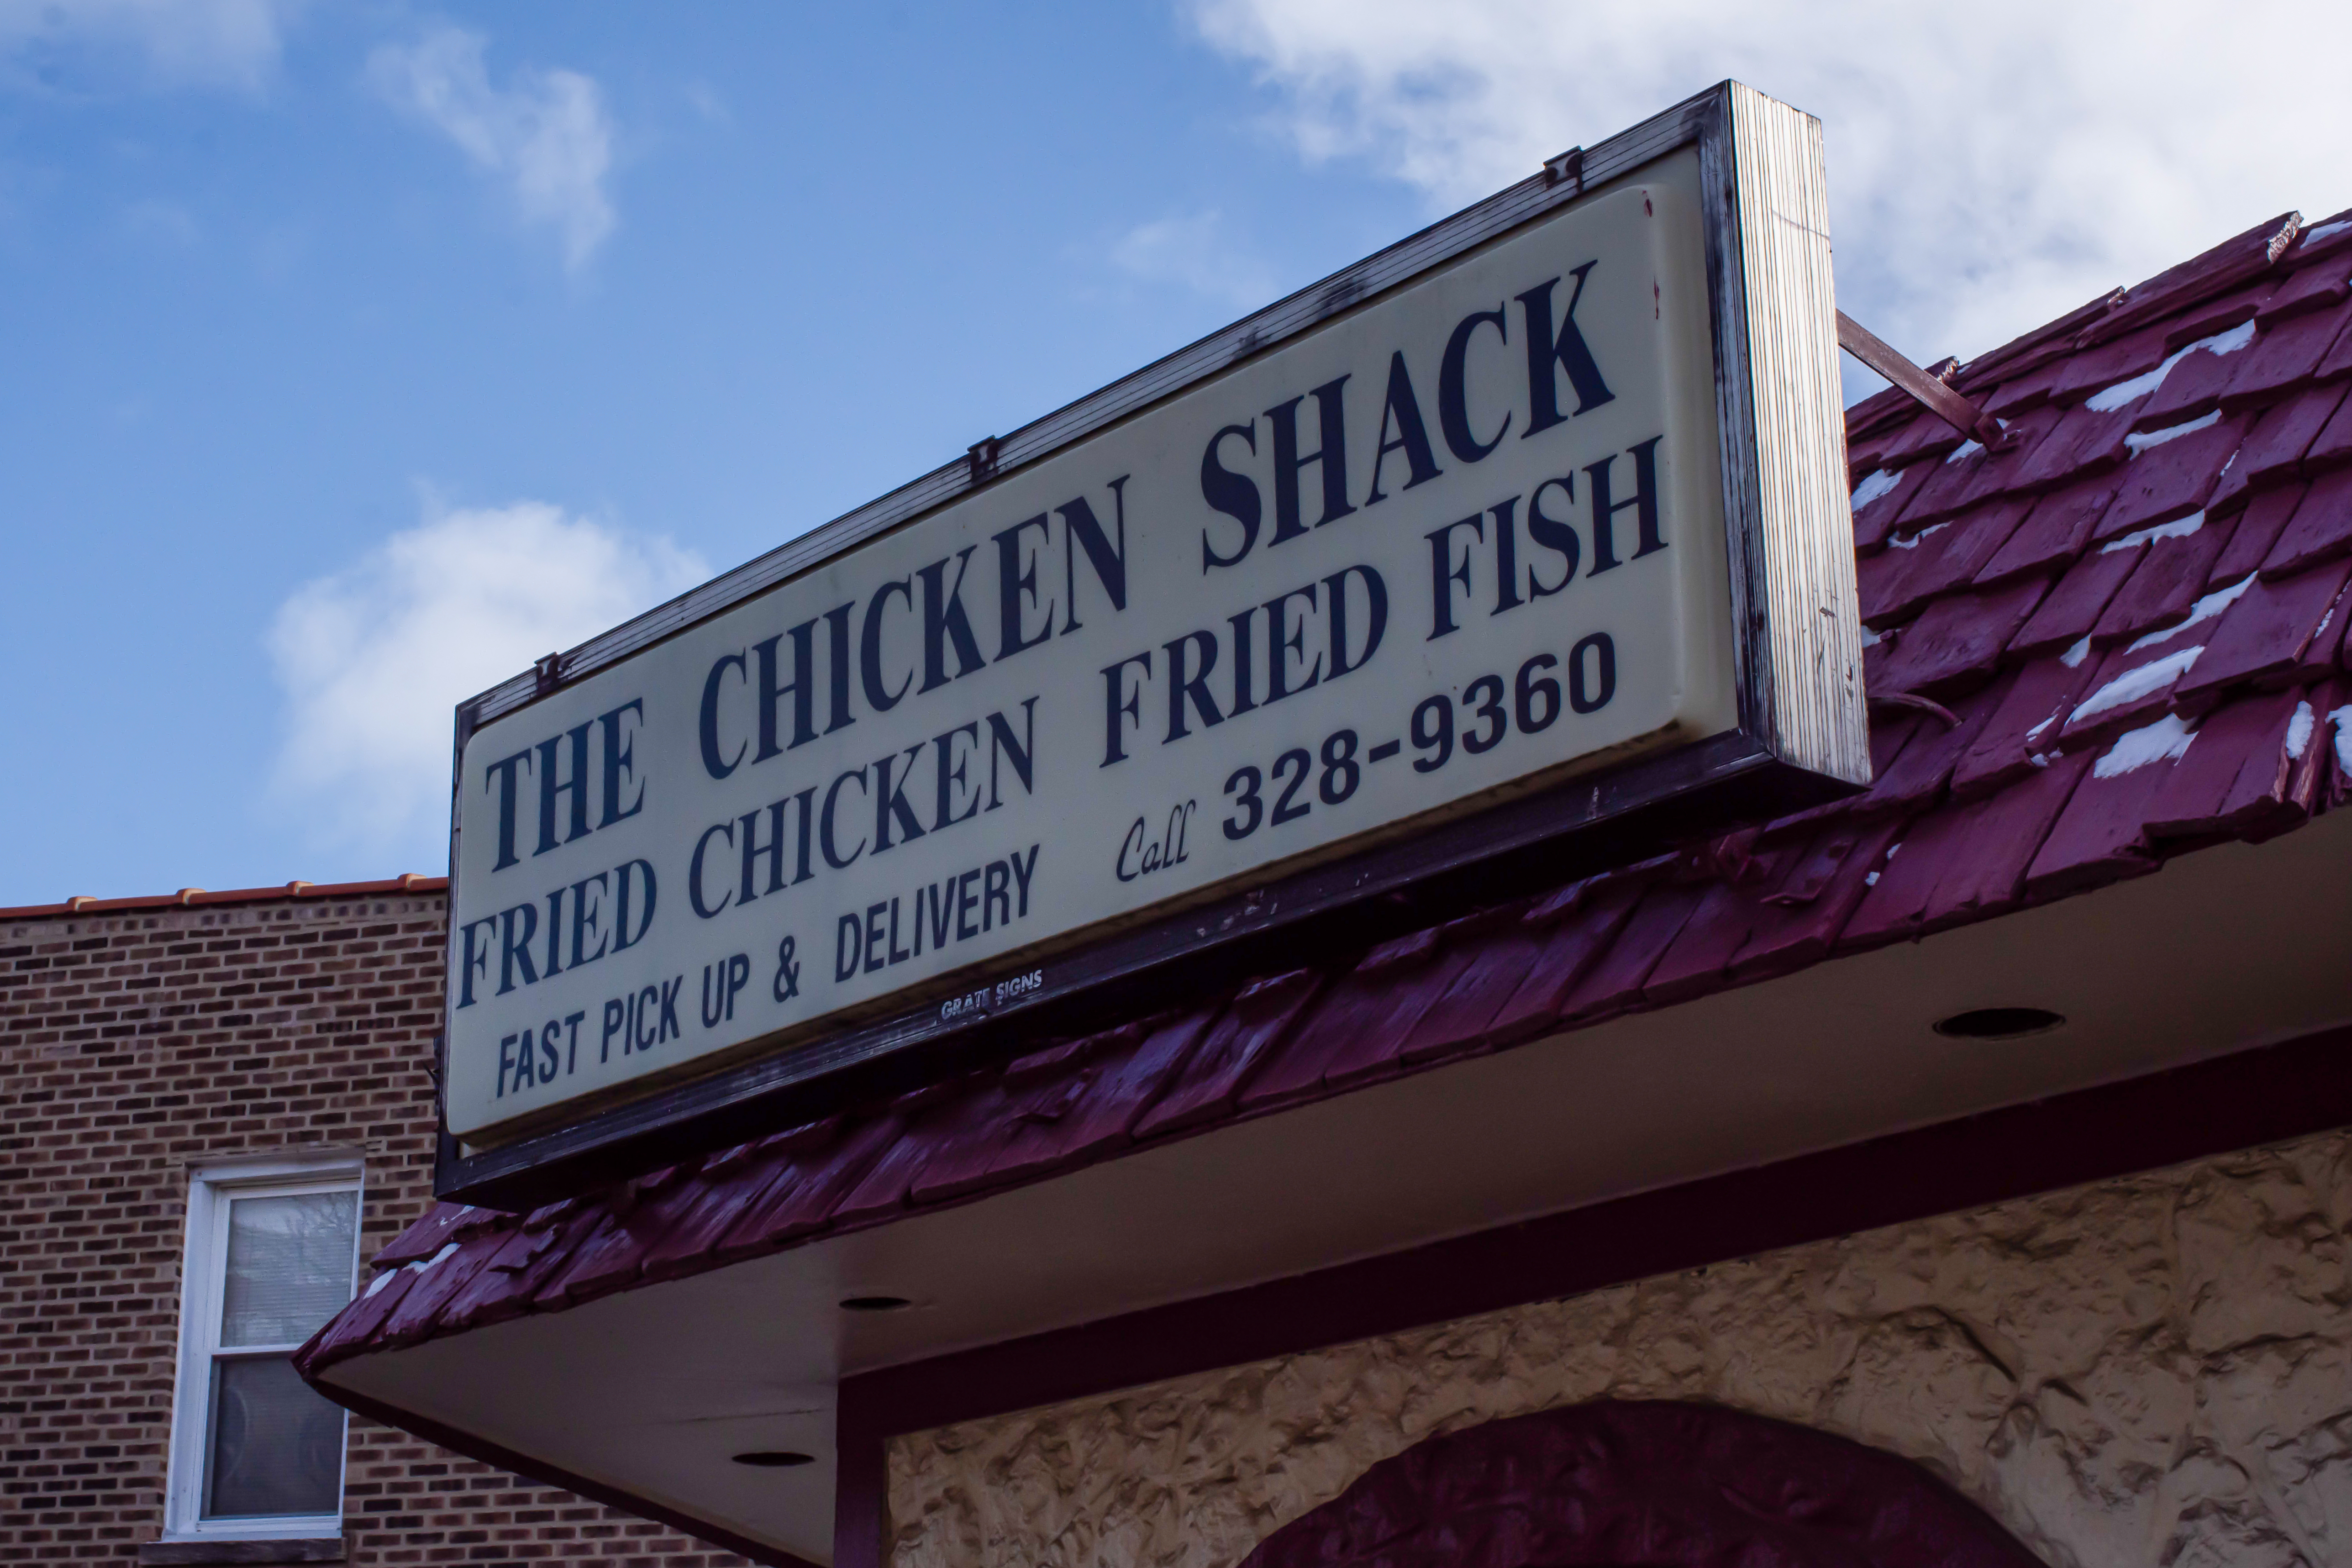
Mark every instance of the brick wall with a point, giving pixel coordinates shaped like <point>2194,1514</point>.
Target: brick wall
<point>135,1045</point>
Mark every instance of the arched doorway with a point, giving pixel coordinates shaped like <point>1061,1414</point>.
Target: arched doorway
<point>1642,1485</point>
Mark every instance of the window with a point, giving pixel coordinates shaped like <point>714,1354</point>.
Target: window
<point>272,1253</point>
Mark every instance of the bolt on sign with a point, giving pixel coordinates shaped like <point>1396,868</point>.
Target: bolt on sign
<point>1552,490</point>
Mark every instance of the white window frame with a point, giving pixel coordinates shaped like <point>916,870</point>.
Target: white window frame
<point>201,1281</point>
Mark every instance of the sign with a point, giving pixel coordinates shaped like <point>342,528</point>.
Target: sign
<point>1451,545</point>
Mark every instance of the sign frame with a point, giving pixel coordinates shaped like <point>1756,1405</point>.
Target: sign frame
<point>1802,733</point>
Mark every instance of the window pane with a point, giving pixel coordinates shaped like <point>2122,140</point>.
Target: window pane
<point>290,1266</point>
<point>276,1447</point>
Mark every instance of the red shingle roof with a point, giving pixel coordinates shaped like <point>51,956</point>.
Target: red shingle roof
<point>2116,637</point>
<point>408,882</point>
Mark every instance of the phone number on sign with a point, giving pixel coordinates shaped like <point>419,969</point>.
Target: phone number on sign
<point>1441,727</point>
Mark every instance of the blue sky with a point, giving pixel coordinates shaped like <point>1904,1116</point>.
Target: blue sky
<point>315,316</point>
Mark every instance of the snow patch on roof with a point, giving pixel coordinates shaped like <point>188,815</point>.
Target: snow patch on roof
<point>2141,440</point>
<point>2324,231</point>
<point>1965,449</point>
<point>2298,731</point>
<point>2123,392</point>
<point>1912,542</point>
<point>2165,740</point>
<point>2227,342</point>
<point>2114,397</point>
<point>2342,719</point>
<point>420,1266</point>
<point>2136,683</point>
<point>2203,610</point>
<point>1870,637</point>
<point>1874,485</point>
<point>2180,529</point>
<point>2073,656</point>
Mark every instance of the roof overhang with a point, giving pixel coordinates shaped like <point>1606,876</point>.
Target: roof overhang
<point>647,1393</point>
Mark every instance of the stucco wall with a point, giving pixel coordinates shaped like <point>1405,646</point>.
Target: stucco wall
<point>2151,1370</point>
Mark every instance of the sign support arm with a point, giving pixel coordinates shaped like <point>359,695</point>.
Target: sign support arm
<point>1932,395</point>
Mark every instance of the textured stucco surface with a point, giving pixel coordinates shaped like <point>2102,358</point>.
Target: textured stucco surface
<point>2155,1369</point>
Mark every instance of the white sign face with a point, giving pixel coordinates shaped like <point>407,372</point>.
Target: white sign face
<point>1464,539</point>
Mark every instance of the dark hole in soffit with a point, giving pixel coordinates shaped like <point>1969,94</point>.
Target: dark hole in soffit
<point>2000,1023</point>
<point>874,1303</point>
<point>775,1459</point>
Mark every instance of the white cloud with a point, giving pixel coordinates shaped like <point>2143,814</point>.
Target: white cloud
<point>1193,252</point>
<point>1990,165</point>
<point>546,133</point>
<point>374,660</point>
<point>208,43</point>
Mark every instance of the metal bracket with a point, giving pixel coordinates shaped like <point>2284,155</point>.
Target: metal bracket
<point>982,458</point>
<point>1567,165</point>
<point>1930,390</point>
